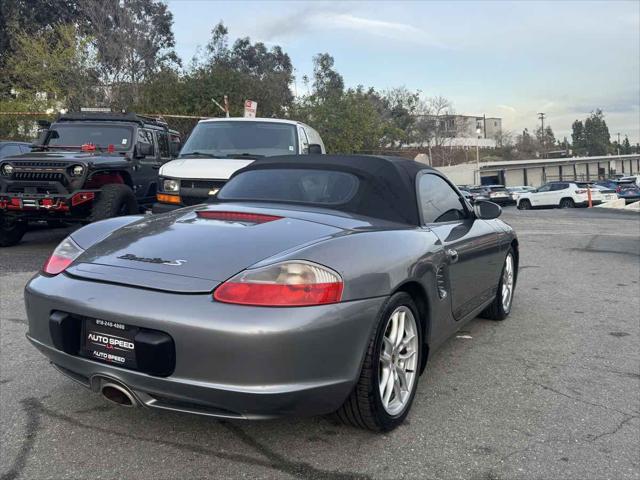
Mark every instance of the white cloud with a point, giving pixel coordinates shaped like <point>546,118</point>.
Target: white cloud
<point>313,19</point>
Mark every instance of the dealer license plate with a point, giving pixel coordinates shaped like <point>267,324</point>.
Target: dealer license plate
<point>110,342</point>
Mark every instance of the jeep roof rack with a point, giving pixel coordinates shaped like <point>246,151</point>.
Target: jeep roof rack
<point>113,117</point>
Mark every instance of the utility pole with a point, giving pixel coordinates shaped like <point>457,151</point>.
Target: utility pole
<point>541,117</point>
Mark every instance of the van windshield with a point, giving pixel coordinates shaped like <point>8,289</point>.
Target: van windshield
<point>240,138</point>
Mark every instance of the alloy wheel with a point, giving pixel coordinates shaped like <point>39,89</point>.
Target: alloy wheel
<point>507,283</point>
<point>398,360</point>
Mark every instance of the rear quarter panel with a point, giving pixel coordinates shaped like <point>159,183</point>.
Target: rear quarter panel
<point>377,263</point>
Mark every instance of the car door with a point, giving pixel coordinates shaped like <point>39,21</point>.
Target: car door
<point>541,196</point>
<point>472,255</point>
<point>146,176</point>
<point>558,191</point>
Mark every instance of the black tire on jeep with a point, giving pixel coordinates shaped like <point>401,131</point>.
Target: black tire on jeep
<point>114,200</point>
<point>11,231</point>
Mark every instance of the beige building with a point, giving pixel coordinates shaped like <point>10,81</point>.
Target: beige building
<point>467,126</point>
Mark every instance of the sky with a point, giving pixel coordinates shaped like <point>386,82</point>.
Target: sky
<point>498,58</point>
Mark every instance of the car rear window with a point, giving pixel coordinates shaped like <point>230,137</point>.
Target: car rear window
<point>321,187</point>
<point>498,189</point>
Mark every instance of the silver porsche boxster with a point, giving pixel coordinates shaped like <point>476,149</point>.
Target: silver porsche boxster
<point>310,285</point>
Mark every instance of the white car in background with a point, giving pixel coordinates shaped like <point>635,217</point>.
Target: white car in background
<point>560,195</point>
<point>632,178</point>
<point>514,192</point>
<point>218,147</point>
<point>608,194</point>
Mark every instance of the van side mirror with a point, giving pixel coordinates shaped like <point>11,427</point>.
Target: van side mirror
<point>486,210</point>
<point>315,149</point>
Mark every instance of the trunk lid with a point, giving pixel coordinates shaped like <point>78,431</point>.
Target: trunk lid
<point>184,252</point>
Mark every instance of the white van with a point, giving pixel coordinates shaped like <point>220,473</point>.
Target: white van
<point>217,147</point>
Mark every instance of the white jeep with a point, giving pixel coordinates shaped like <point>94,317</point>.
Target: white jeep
<point>560,194</point>
<point>218,147</point>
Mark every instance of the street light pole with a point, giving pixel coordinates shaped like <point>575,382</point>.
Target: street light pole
<point>542,136</point>
<point>478,131</point>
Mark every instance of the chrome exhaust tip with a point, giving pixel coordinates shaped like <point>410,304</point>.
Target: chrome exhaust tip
<point>118,394</point>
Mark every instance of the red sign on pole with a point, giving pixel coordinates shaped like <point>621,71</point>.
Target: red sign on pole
<point>250,109</point>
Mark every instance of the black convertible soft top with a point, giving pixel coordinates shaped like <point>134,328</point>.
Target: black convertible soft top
<point>387,187</point>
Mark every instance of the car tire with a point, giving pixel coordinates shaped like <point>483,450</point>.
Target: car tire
<point>567,203</point>
<point>11,231</point>
<point>364,408</point>
<point>524,205</point>
<point>114,200</point>
<point>499,308</point>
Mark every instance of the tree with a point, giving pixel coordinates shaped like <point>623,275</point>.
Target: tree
<point>526,145</point>
<point>327,82</point>
<point>577,137</point>
<point>32,18</point>
<point>547,139</point>
<point>436,127</point>
<point>348,120</point>
<point>596,134</point>
<point>626,146</point>
<point>504,144</point>
<point>244,71</point>
<point>54,69</point>
<point>133,40</point>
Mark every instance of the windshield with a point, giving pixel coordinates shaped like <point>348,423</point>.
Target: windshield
<point>100,135</point>
<point>223,139</point>
<point>322,187</point>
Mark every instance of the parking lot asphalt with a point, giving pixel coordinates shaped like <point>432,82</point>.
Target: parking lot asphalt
<point>552,392</point>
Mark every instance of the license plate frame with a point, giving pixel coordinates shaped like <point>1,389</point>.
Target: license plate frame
<point>109,342</point>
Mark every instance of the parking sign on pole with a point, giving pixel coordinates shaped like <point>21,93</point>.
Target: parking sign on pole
<point>250,108</point>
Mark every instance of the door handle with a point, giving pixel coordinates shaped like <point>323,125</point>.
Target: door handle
<point>452,255</point>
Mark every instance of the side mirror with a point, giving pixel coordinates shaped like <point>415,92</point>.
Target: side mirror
<point>486,210</point>
<point>143,149</point>
<point>315,149</point>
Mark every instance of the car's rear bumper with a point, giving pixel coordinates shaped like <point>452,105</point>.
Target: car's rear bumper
<point>231,361</point>
<point>502,200</point>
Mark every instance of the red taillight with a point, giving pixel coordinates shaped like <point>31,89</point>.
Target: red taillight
<point>63,256</point>
<point>55,264</point>
<point>289,284</point>
<point>237,216</point>
<point>278,295</point>
<point>582,191</point>
<point>618,189</point>
<point>88,147</point>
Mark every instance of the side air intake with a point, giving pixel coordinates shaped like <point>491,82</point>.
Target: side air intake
<point>441,282</point>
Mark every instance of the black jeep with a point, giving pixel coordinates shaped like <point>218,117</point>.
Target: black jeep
<point>85,167</point>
